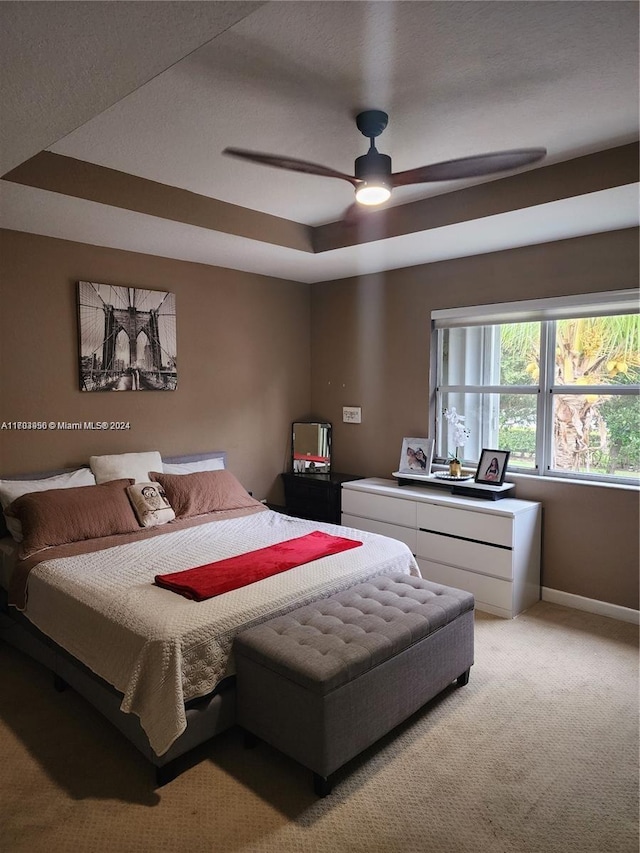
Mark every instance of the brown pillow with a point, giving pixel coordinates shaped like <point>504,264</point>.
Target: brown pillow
<point>203,491</point>
<point>57,516</point>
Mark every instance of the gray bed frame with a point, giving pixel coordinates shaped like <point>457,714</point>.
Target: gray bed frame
<point>206,716</point>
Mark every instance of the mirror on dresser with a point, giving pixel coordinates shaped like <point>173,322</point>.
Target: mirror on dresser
<point>311,489</point>
<point>310,447</point>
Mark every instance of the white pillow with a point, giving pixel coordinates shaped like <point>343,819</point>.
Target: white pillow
<point>134,466</point>
<point>193,467</point>
<point>10,490</point>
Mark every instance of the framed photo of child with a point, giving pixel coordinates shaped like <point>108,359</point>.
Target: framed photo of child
<point>416,456</point>
<point>492,467</point>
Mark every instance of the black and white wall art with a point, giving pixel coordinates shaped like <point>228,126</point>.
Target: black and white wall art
<point>127,338</point>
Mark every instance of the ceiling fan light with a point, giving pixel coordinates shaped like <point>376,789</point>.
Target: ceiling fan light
<point>372,192</point>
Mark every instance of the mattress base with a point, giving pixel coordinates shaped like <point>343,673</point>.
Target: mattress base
<point>206,716</point>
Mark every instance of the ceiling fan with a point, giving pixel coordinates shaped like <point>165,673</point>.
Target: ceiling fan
<point>373,179</point>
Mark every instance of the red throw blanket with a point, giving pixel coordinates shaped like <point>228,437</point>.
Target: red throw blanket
<point>224,575</point>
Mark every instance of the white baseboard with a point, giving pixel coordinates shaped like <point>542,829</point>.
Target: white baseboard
<point>591,605</point>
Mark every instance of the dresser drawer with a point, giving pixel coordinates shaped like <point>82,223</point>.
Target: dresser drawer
<point>379,507</point>
<point>496,594</point>
<point>487,559</point>
<point>479,526</point>
<point>309,502</point>
<point>316,499</point>
<point>312,512</point>
<point>307,489</point>
<point>404,534</point>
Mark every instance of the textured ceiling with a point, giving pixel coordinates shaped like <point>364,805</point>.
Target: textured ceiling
<point>87,81</point>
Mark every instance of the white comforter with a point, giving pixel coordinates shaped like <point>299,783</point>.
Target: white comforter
<point>160,649</point>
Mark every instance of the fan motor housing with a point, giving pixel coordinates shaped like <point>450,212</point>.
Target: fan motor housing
<point>373,165</point>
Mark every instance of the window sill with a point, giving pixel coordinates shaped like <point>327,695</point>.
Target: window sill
<point>550,478</point>
<point>517,476</point>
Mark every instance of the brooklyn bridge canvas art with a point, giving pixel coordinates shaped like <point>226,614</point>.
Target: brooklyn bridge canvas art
<point>127,338</point>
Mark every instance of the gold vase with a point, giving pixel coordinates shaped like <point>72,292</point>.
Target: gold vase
<point>455,468</point>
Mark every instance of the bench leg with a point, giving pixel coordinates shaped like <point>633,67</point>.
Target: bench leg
<point>321,785</point>
<point>463,679</point>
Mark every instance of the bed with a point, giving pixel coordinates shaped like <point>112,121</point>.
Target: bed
<point>158,665</point>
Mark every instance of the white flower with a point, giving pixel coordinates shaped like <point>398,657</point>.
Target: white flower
<point>460,432</point>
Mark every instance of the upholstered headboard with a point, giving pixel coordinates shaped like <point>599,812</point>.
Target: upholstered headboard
<point>197,457</point>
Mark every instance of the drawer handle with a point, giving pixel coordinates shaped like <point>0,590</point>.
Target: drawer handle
<point>466,539</point>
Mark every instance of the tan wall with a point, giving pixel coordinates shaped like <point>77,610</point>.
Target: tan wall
<point>370,348</point>
<point>244,366</point>
<point>243,361</point>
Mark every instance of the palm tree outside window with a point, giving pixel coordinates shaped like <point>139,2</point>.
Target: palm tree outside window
<point>556,382</point>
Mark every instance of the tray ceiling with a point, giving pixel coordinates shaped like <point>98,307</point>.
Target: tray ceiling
<point>133,104</point>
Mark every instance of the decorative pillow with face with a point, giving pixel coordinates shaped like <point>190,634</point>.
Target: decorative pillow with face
<point>150,504</point>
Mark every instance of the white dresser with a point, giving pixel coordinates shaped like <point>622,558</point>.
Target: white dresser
<point>490,548</point>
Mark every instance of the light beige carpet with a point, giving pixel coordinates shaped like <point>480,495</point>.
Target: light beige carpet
<point>538,753</point>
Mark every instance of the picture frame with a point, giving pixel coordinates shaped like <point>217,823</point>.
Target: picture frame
<point>126,337</point>
<point>492,466</point>
<point>416,456</point>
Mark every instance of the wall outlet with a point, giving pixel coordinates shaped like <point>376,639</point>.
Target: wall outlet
<point>351,414</point>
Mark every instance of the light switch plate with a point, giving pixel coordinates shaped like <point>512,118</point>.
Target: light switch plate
<point>351,414</point>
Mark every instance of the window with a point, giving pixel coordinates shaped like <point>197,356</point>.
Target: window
<point>556,382</point>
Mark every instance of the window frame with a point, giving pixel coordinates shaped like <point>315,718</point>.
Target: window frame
<point>546,312</point>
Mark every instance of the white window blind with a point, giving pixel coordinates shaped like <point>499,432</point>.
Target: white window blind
<point>537,310</point>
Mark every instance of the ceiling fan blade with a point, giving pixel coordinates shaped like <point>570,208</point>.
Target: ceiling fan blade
<point>290,163</point>
<point>469,167</point>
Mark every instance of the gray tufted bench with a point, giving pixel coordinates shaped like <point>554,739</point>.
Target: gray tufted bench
<point>327,680</point>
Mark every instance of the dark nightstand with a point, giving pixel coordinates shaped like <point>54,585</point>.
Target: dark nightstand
<point>315,496</point>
